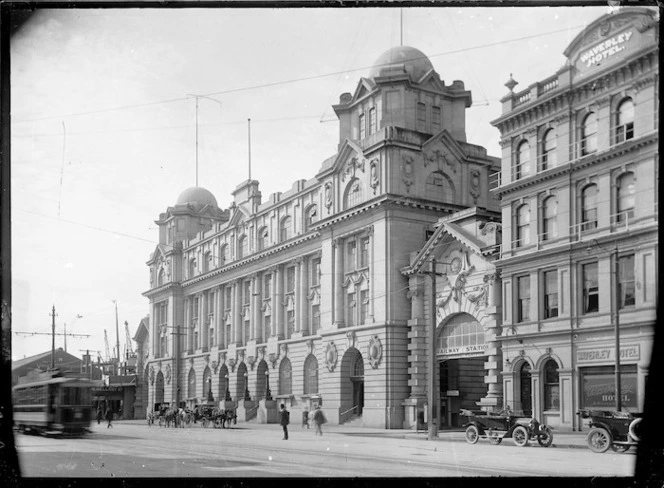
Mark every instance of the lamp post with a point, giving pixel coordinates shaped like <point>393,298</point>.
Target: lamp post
<point>247,397</point>
<point>268,393</point>
<point>227,397</point>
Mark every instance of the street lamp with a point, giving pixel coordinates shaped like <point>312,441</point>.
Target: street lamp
<point>268,393</point>
<point>247,397</point>
<point>228,392</point>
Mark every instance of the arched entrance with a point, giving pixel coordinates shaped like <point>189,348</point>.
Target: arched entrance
<point>159,390</point>
<point>525,389</point>
<point>461,354</point>
<point>352,385</point>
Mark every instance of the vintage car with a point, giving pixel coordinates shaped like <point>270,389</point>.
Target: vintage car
<point>612,430</point>
<point>505,424</point>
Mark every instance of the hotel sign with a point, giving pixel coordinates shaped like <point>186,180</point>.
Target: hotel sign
<point>473,350</point>
<point>607,48</point>
<point>607,354</point>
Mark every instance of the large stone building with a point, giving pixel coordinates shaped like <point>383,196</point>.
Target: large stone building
<point>309,294</point>
<point>579,196</point>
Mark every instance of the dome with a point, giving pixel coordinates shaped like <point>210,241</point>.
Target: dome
<point>415,61</point>
<point>197,195</point>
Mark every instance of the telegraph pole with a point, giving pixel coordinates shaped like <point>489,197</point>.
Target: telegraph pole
<point>176,352</point>
<point>617,331</point>
<point>53,339</point>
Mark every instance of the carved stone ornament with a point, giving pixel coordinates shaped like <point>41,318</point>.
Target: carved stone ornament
<point>151,274</point>
<point>283,350</point>
<point>548,351</point>
<point>251,360</point>
<point>151,375</point>
<point>374,176</point>
<point>206,358</point>
<point>191,362</point>
<point>477,295</point>
<point>351,167</point>
<point>475,184</point>
<point>261,352</point>
<point>232,362</point>
<point>221,358</point>
<point>407,171</point>
<point>328,195</point>
<point>350,339</point>
<point>457,285</point>
<point>272,357</point>
<point>215,366</point>
<point>310,346</point>
<point>331,356</point>
<point>375,351</point>
<point>168,374</point>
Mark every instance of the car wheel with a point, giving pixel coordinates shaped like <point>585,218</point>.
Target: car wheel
<point>545,437</point>
<point>472,434</point>
<point>599,439</point>
<point>520,436</point>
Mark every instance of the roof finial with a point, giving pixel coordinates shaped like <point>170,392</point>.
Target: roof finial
<point>511,83</point>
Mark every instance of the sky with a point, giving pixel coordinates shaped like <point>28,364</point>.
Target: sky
<point>104,127</point>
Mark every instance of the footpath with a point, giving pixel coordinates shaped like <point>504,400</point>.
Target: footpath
<point>560,439</point>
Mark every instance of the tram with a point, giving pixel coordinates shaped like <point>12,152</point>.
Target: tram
<point>53,404</point>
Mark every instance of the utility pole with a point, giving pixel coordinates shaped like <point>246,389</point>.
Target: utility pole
<point>52,334</point>
<point>197,97</point>
<point>176,353</point>
<point>117,330</point>
<point>617,330</point>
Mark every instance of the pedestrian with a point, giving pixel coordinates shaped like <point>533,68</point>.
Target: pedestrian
<point>109,417</point>
<point>99,415</point>
<point>305,417</point>
<point>319,420</point>
<point>285,420</point>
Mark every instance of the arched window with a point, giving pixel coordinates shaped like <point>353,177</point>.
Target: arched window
<point>589,207</point>
<point>207,261</point>
<point>311,216</point>
<point>625,120</point>
<point>549,149</point>
<point>223,255</point>
<point>523,226</point>
<point>589,134</point>
<point>354,195</point>
<point>522,163</point>
<point>191,384</point>
<point>285,377</point>
<point>192,268</point>
<point>549,226</point>
<point>285,229</point>
<point>461,330</point>
<point>262,238</point>
<point>625,197</point>
<point>439,187</point>
<point>551,386</point>
<point>310,375</point>
<point>242,247</point>
<point>160,278</point>
<point>357,371</point>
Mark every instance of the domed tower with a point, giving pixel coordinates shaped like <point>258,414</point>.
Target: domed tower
<point>195,211</point>
<point>403,91</point>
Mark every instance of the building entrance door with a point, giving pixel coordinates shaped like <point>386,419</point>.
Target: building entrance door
<point>358,394</point>
<point>526,390</point>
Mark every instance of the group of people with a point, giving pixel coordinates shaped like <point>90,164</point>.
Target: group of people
<point>316,416</point>
<point>108,416</point>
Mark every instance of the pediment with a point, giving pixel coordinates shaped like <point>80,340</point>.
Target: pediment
<point>431,81</point>
<point>347,152</point>
<point>443,152</point>
<point>240,215</point>
<point>159,253</point>
<point>364,87</point>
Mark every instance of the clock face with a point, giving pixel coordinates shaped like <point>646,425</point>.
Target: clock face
<point>455,266</point>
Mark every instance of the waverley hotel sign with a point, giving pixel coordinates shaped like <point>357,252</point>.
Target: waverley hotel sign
<point>605,49</point>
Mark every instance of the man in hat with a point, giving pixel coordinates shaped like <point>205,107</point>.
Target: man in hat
<point>285,420</point>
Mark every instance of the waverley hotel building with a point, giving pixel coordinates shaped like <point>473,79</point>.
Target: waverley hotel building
<point>323,293</point>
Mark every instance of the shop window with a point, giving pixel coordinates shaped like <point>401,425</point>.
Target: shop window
<point>551,386</point>
<point>589,207</point>
<point>549,158</point>
<point>550,279</point>
<point>589,134</point>
<point>598,387</point>
<point>523,298</point>
<point>625,120</point>
<point>590,288</point>
<point>625,197</point>
<point>626,281</point>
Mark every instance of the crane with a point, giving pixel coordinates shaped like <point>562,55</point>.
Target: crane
<point>129,351</point>
<point>108,353</point>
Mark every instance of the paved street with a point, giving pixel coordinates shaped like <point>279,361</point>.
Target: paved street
<point>132,449</point>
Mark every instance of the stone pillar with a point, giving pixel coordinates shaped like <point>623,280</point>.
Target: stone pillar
<point>296,295</point>
<point>338,281</point>
<point>303,301</point>
<point>237,311</point>
<point>278,304</point>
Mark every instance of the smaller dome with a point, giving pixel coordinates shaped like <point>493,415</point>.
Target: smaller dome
<point>415,61</point>
<point>197,195</point>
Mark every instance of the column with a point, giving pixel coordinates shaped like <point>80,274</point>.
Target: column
<point>237,311</point>
<point>296,295</point>
<point>256,308</point>
<point>303,301</point>
<point>338,281</point>
<point>278,305</point>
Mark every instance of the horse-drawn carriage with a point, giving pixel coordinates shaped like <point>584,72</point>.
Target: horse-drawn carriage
<point>610,429</point>
<point>217,417</point>
<point>505,424</point>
